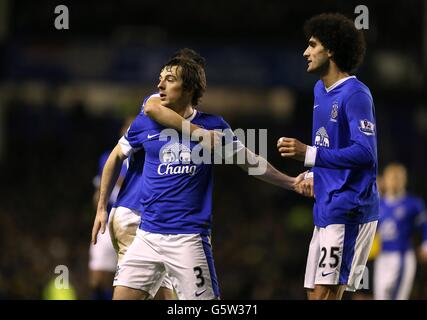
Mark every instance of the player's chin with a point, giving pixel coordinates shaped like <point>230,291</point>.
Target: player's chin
<point>165,103</point>
<point>310,69</point>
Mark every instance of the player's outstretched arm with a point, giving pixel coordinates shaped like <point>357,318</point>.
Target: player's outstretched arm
<point>167,117</point>
<point>170,119</point>
<point>264,171</point>
<point>306,186</point>
<point>110,174</point>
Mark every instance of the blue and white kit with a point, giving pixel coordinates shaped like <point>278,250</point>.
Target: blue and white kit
<point>343,158</point>
<point>176,200</point>
<point>395,266</point>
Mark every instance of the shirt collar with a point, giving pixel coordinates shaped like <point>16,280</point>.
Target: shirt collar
<point>336,84</point>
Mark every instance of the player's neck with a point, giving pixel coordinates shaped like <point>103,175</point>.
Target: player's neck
<point>333,75</point>
<point>184,111</point>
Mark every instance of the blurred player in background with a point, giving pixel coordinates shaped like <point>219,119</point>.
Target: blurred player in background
<point>343,157</point>
<point>173,237</point>
<point>401,214</point>
<point>103,257</point>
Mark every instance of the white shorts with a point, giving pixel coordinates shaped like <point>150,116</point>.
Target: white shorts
<point>394,274</point>
<point>186,258</point>
<point>123,224</point>
<point>102,256</point>
<point>338,255</point>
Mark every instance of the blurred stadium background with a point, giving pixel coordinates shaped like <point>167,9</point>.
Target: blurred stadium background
<point>65,93</point>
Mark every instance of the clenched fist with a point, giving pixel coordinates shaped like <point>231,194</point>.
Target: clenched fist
<point>291,148</point>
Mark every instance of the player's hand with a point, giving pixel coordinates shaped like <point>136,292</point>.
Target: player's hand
<point>100,223</point>
<point>422,253</point>
<point>299,179</point>
<point>305,187</point>
<point>216,138</point>
<point>291,148</point>
<point>209,139</point>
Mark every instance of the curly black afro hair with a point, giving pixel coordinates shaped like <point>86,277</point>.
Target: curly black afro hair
<point>337,33</point>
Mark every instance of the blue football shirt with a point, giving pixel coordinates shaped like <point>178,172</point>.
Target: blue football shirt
<point>399,219</point>
<point>176,191</point>
<point>345,169</point>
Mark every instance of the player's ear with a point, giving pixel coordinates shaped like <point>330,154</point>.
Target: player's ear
<point>330,53</point>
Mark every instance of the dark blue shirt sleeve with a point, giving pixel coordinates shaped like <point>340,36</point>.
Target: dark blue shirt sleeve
<point>146,99</point>
<point>362,151</point>
<point>230,142</point>
<point>134,134</point>
<point>229,136</point>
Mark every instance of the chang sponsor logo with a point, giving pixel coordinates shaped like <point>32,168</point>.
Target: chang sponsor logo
<point>322,138</point>
<point>229,148</point>
<point>176,159</point>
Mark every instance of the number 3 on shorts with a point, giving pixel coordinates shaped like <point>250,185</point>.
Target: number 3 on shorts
<point>199,276</point>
